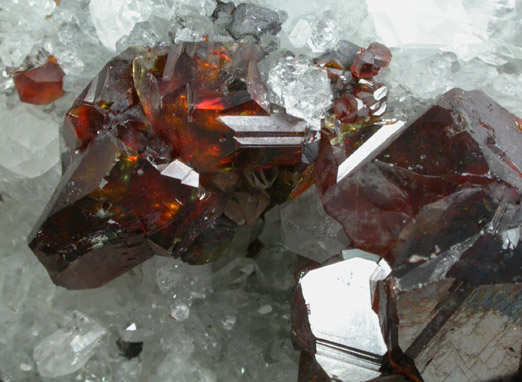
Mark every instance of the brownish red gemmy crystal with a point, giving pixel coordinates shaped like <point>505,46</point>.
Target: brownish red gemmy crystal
<point>442,204</point>
<point>42,85</point>
<point>168,147</point>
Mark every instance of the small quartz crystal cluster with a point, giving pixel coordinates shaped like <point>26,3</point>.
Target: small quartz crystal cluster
<point>408,264</point>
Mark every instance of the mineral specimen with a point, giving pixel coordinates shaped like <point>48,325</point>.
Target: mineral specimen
<point>172,148</point>
<point>168,147</point>
<point>442,205</point>
<point>42,85</point>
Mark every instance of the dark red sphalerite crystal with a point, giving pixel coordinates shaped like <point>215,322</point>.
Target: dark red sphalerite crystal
<point>442,204</point>
<point>168,147</point>
<point>464,140</point>
<point>368,62</point>
<point>42,85</point>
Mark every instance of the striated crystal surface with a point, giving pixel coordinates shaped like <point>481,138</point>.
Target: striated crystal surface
<point>333,318</point>
<point>169,147</point>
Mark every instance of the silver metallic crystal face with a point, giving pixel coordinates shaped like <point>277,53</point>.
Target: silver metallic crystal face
<point>348,340</point>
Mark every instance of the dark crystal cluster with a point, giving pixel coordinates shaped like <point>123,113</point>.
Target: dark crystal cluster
<point>171,148</point>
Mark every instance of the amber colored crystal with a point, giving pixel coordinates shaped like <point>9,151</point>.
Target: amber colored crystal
<point>169,151</point>
<point>42,85</point>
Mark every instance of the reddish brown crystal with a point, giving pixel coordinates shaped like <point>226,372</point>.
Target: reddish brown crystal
<point>442,204</point>
<point>42,85</point>
<point>437,155</point>
<point>168,146</point>
<point>368,62</point>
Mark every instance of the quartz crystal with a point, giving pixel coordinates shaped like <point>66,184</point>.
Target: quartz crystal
<point>28,151</point>
<point>303,89</point>
<point>309,231</point>
<point>68,350</point>
<point>114,19</point>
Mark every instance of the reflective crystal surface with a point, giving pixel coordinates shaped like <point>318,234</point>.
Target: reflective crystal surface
<point>442,204</point>
<point>169,147</point>
<point>42,85</point>
<point>334,320</point>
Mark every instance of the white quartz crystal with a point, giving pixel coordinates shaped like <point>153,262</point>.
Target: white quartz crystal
<point>309,231</point>
<point>303,89</point>
<point>14,49</point>
<point>201,7</point>
<point>29,140</point>
<point>114,19</point>
<point>68,350</point>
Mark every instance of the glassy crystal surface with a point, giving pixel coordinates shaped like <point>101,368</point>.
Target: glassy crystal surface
<point>114,19</point>
<point>303,89</point>
<point>29,152</point>
<point>42,85</point>
<point>309,231</point>
<point>68,350</point>
<point>170,147</point>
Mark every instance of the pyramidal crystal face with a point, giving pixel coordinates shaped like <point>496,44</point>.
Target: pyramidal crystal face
<point>169,147</point>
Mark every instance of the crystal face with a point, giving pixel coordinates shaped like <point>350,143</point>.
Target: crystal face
<point>441,204</point>
<point>42,85</point>
<point>169,147</point>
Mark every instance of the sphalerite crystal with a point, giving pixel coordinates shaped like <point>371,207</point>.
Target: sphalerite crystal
<point>41,85</point>
<point>172,147</point>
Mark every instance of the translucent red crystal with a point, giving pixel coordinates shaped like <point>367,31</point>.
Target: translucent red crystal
<point>368,62</point>
<point>42,85</point>
<point>168,147</point>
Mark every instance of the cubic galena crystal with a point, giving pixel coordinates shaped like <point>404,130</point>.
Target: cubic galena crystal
<point>340,328</point>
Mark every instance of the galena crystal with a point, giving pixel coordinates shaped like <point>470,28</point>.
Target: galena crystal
<point>168,147</point>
